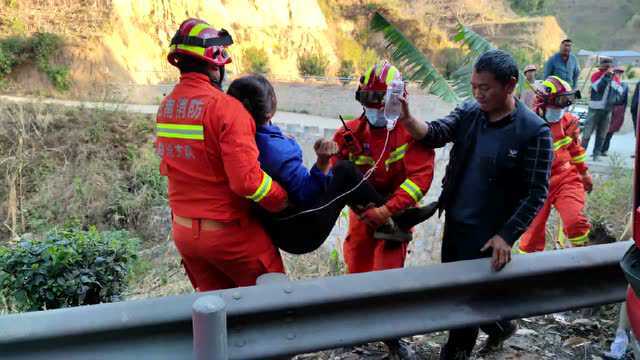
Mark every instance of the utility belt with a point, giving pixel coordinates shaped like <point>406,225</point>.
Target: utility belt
<point>205,224</point>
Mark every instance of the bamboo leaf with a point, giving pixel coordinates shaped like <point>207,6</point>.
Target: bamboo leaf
<point>477,45</point>
<point>413,63</point>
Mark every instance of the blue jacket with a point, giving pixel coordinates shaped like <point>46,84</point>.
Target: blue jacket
<point>568,71</point>
<point>281,158</point>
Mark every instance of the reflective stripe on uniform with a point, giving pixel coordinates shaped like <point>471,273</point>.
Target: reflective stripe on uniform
<point>562,142</point>
<point>397,154</point>
<point>180,131</point>
<point>579,159</point>
<point>412,189</point>
<point>362,160</point>
<point>263,189</point>
<point>580,240</point>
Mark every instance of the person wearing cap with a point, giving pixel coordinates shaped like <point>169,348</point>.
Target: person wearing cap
<point>606,88</point>
<point>564,64</point>
<point>528,95</point>
<point>206,142</point>
<point>617,112</point>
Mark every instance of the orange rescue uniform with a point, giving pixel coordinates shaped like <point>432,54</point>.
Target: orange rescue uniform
<point>566,189</point>
<point>404,175</point>
<point>206,141</point>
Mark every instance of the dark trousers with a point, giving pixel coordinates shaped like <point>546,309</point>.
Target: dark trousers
<point>607,142</point>
<point>305,233</point>
<point>598,121</point>
<point>463,242</point>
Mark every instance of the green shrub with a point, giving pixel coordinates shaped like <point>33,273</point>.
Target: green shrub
<point>39,48</point>
<point>346,72</point>
<point>312,64</point>
<point>67,267</point>
<point>257,60</point>
<point>451,59</point>
<point>609,205</point>
<point>532,7</point>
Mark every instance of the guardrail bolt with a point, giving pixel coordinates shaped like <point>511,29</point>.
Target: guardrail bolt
<point>209,328</point>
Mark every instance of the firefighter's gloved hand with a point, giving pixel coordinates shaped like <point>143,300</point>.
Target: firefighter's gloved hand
<point>587,182</point>
<point>375,216</point>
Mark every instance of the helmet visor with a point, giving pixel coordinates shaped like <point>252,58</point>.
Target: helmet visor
<point>373,98</point>
<point>564,100</point>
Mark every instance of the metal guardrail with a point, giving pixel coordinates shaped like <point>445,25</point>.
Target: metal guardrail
<point>279,318</point>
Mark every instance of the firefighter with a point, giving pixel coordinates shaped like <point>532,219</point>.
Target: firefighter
<point>403,176</point>
<point>569,172</point>
<point>206,141</point>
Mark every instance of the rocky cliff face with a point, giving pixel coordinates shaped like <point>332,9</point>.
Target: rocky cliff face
<point>141,31</point>
<point>111,43</point>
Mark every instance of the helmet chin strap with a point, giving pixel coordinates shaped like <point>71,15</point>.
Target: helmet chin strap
<point>218,82</point>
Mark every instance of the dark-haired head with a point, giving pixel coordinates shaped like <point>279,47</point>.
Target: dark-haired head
<point>494,79</point>
<point>257,95</point>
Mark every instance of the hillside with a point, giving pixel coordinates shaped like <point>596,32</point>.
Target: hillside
<point>595,25</point>
<point>114,43</point>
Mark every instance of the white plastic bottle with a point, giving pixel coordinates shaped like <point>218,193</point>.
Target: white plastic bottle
<point>619,345</point>
<point>392,105</point>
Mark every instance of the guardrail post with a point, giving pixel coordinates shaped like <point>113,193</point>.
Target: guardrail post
<point>209,328</point>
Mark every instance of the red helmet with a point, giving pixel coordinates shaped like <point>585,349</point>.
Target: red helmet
<point>196,38</point>
<point>555,92</point>
<point>374,83</point>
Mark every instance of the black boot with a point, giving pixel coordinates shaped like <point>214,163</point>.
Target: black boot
<point>414,216</point>
<point>495,342</point>
<point>391,232</point>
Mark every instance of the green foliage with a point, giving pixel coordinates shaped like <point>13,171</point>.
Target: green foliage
<point>524,56</point>
<point>532,7</point>
<point>610,205</point>
<point>312,64</point>
<point>475,45</point>
<point>346,72</point>
<point>257,60</point>
<point>413,63</point>
<point>451,59</point>
<point>40,48</point>
<point>67,267</point>
<point>107,172</point>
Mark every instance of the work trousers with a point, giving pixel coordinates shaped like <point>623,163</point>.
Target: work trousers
<point>229,257</point>
<point>463,242</point>
<point>306,232</point>
<point>567,195</point>
<point>598,121</point>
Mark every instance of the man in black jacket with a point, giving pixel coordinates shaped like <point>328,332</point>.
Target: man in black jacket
<point>496,180</point>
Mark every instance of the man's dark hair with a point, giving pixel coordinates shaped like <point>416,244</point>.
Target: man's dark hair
<point>499,63</point>
<point>257,95</point>
<point>566,41</point>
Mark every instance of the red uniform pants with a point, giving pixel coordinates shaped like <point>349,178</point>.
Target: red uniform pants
<point>363,253</point>
<point>566,194</point>
<point>228,257</point>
